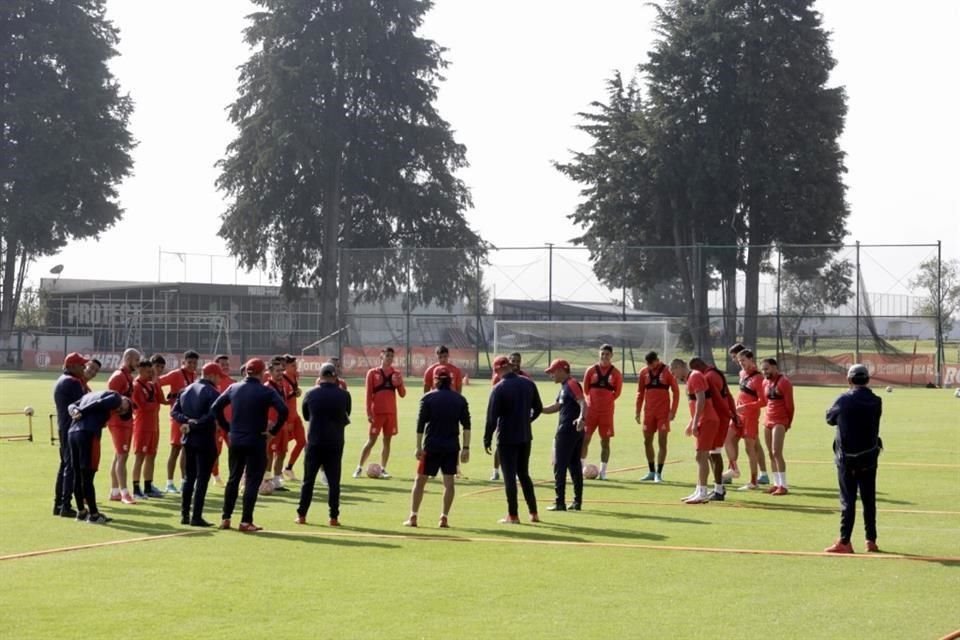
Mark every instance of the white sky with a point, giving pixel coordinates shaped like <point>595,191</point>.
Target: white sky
<point>520,71</point>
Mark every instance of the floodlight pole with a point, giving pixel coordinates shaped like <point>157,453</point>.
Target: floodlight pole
<point>549,296</point>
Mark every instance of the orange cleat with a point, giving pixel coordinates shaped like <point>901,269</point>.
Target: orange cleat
<point>443,523</point>
<point>509,520</point>
<point>249,527</point>
<point>300,520</point>
<point>779,491</point>
<point>840,547</point>
<point>410,522</point>
<point>872,547</point>
<point>534,517</point>
<point>334,522</point>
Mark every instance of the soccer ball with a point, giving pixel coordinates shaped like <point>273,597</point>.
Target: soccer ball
<point>956,394</point>
<point>266,487</point>
<point>889,389</point>
<point>591,472</point>
<point>28,411</point>
<point>374,470</point>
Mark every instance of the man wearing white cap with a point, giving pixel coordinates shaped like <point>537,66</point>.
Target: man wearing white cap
<point>856,447</point>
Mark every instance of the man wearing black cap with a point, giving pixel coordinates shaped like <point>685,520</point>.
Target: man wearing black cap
<point>193,410</point>
<point>69,388</point>
<point>248,427</point>
<point>514,404</point>
<point>857,446</point>
<point>326,407</point>
<point>571,404</point>
<point>442,411</point>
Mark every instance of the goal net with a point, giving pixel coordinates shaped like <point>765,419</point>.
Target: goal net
<point>539,342</point>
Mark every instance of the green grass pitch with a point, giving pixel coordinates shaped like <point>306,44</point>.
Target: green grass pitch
<point>630,565</point>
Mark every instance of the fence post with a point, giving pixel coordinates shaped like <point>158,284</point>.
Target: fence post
<point>941,353</point>
<point>549,297</point>
<point>856,353</point>
<point>479,294</point>
<point>408,305</point>
<point>779,338</point>
<point>344,282</point>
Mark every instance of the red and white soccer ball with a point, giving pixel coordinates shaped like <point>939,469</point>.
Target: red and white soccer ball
<point>374,470</point>
<point>28,411</point>
<point>591,472</point>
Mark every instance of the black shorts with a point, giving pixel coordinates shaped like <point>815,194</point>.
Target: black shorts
<point>431,462</point>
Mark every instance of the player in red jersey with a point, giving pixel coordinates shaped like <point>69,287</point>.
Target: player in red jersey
<point>703,425</point>
<point>443,360</point>
<point>121,428</point>
<point>726,410</point>
<point>657,389</point>
<point>384,384</point>
<point>178,380</point>
<point>335,361</point>
<point>224,381</point>
<point>298,434</point>
<point>750,399</point>
<point>147,398</point>
<point>602,385</point>
<point>779,417</point>
<point>277,446</point>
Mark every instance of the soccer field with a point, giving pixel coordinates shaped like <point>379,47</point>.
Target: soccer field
<point>635,563</point>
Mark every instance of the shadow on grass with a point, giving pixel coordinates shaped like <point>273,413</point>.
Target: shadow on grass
<point>593,532</point>
<point>151,528</point>
<point>340,541</point>
<point>642,516</point>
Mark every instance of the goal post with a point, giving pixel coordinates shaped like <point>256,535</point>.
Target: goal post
<point>578,342</point>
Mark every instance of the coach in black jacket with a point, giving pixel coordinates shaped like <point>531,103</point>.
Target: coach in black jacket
<point>251,401</point>
<point>194,411</point>
<point>90,415</point>
<point>857,446</point>
<point>327,409</point>
<point>514,404</point>
<point>70,387</point>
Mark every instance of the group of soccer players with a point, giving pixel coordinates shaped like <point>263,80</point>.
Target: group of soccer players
<point>718,422</point>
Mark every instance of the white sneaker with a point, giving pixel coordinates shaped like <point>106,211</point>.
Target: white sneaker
<point>356,474</point>
<point>730,475</point>
<point>603,475</point>
<point>747,487</point>
<point>289,475</point>
<point>171,488</point>
<point>691,496</point>
<point>323,479</point>
<point>217,481</point>
<point>495,475</point>
<point>657,478</point>
<point>385,475</point>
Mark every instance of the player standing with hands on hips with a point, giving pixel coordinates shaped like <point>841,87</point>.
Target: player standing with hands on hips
<point>857,446</point>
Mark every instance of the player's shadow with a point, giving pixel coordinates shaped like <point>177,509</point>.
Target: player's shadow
<point>338,540</point>
<point>525,532</point>
<point>645,516</point>
<point>606,532</point>
<point>834,494</point>
<point>375,486</point>
<point>138,526</point>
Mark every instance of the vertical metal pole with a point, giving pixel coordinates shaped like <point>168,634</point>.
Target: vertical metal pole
<point>623,306</point>
<point>236,267</point>
<point>549,297</point>
<point>211,268</point>
<point>159,263</point>
<point>779,328</point>
<point>856,353</point>
<point>940,348</point>
<point>479,298</point>
<point>408,305</point>
<point>341,312</point>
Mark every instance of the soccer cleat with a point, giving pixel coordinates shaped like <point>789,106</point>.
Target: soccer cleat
<point>650,477</point>
<point>323,479</point>
<point>772,488</point>
<point>289,475</point>
<point>509,520</point>
<point>534,517</point>
<point>126,498</point>
<point>67,512</point>
<point>780,491</point>
<point>356,474</point>
<point>281,488</point>
<point>82,515</point>
<point>495,475</point>
<point>602,476</point>
<point>730,475</point>
<point>333,522</point>
<point>701,498</point>
<point>764,479</point>
<point>691,496</point>
<point>114,497</point>
<point>658,478</point>
<point>99,519</point>
<point>139,495</point>
<point>200,522</point>
<point>385,475</point>
<point>410,522</point>
<point>300,520</point>
<point>217,481</point>
<point>871,546</point>
<point>248,527</point>
<point>840,547</point>
<point>443,523</point>
<point>155,493</point>
<point>184,520</point>
<point>713,496</point>
<point>747,487</point>
<point>557,507</point>
<point>225,523</point>
<point>574,506</point>
<point>171,488</point>
<point>56,509</point>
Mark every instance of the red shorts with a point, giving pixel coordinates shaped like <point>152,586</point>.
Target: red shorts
<point>786,427</point>
<point>146,440</point>
<point>176,436</point>
<point>602,423</point>
<point>278,443</point>
<point>385,423</point>
<point>655,423</point>
<point>723,426</point>
<point>121,437</point>
<point>749,426</point>
<point>708,434</point>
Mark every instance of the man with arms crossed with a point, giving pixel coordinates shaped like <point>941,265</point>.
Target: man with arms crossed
<point>656,387</point>
<point>442,411</point>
